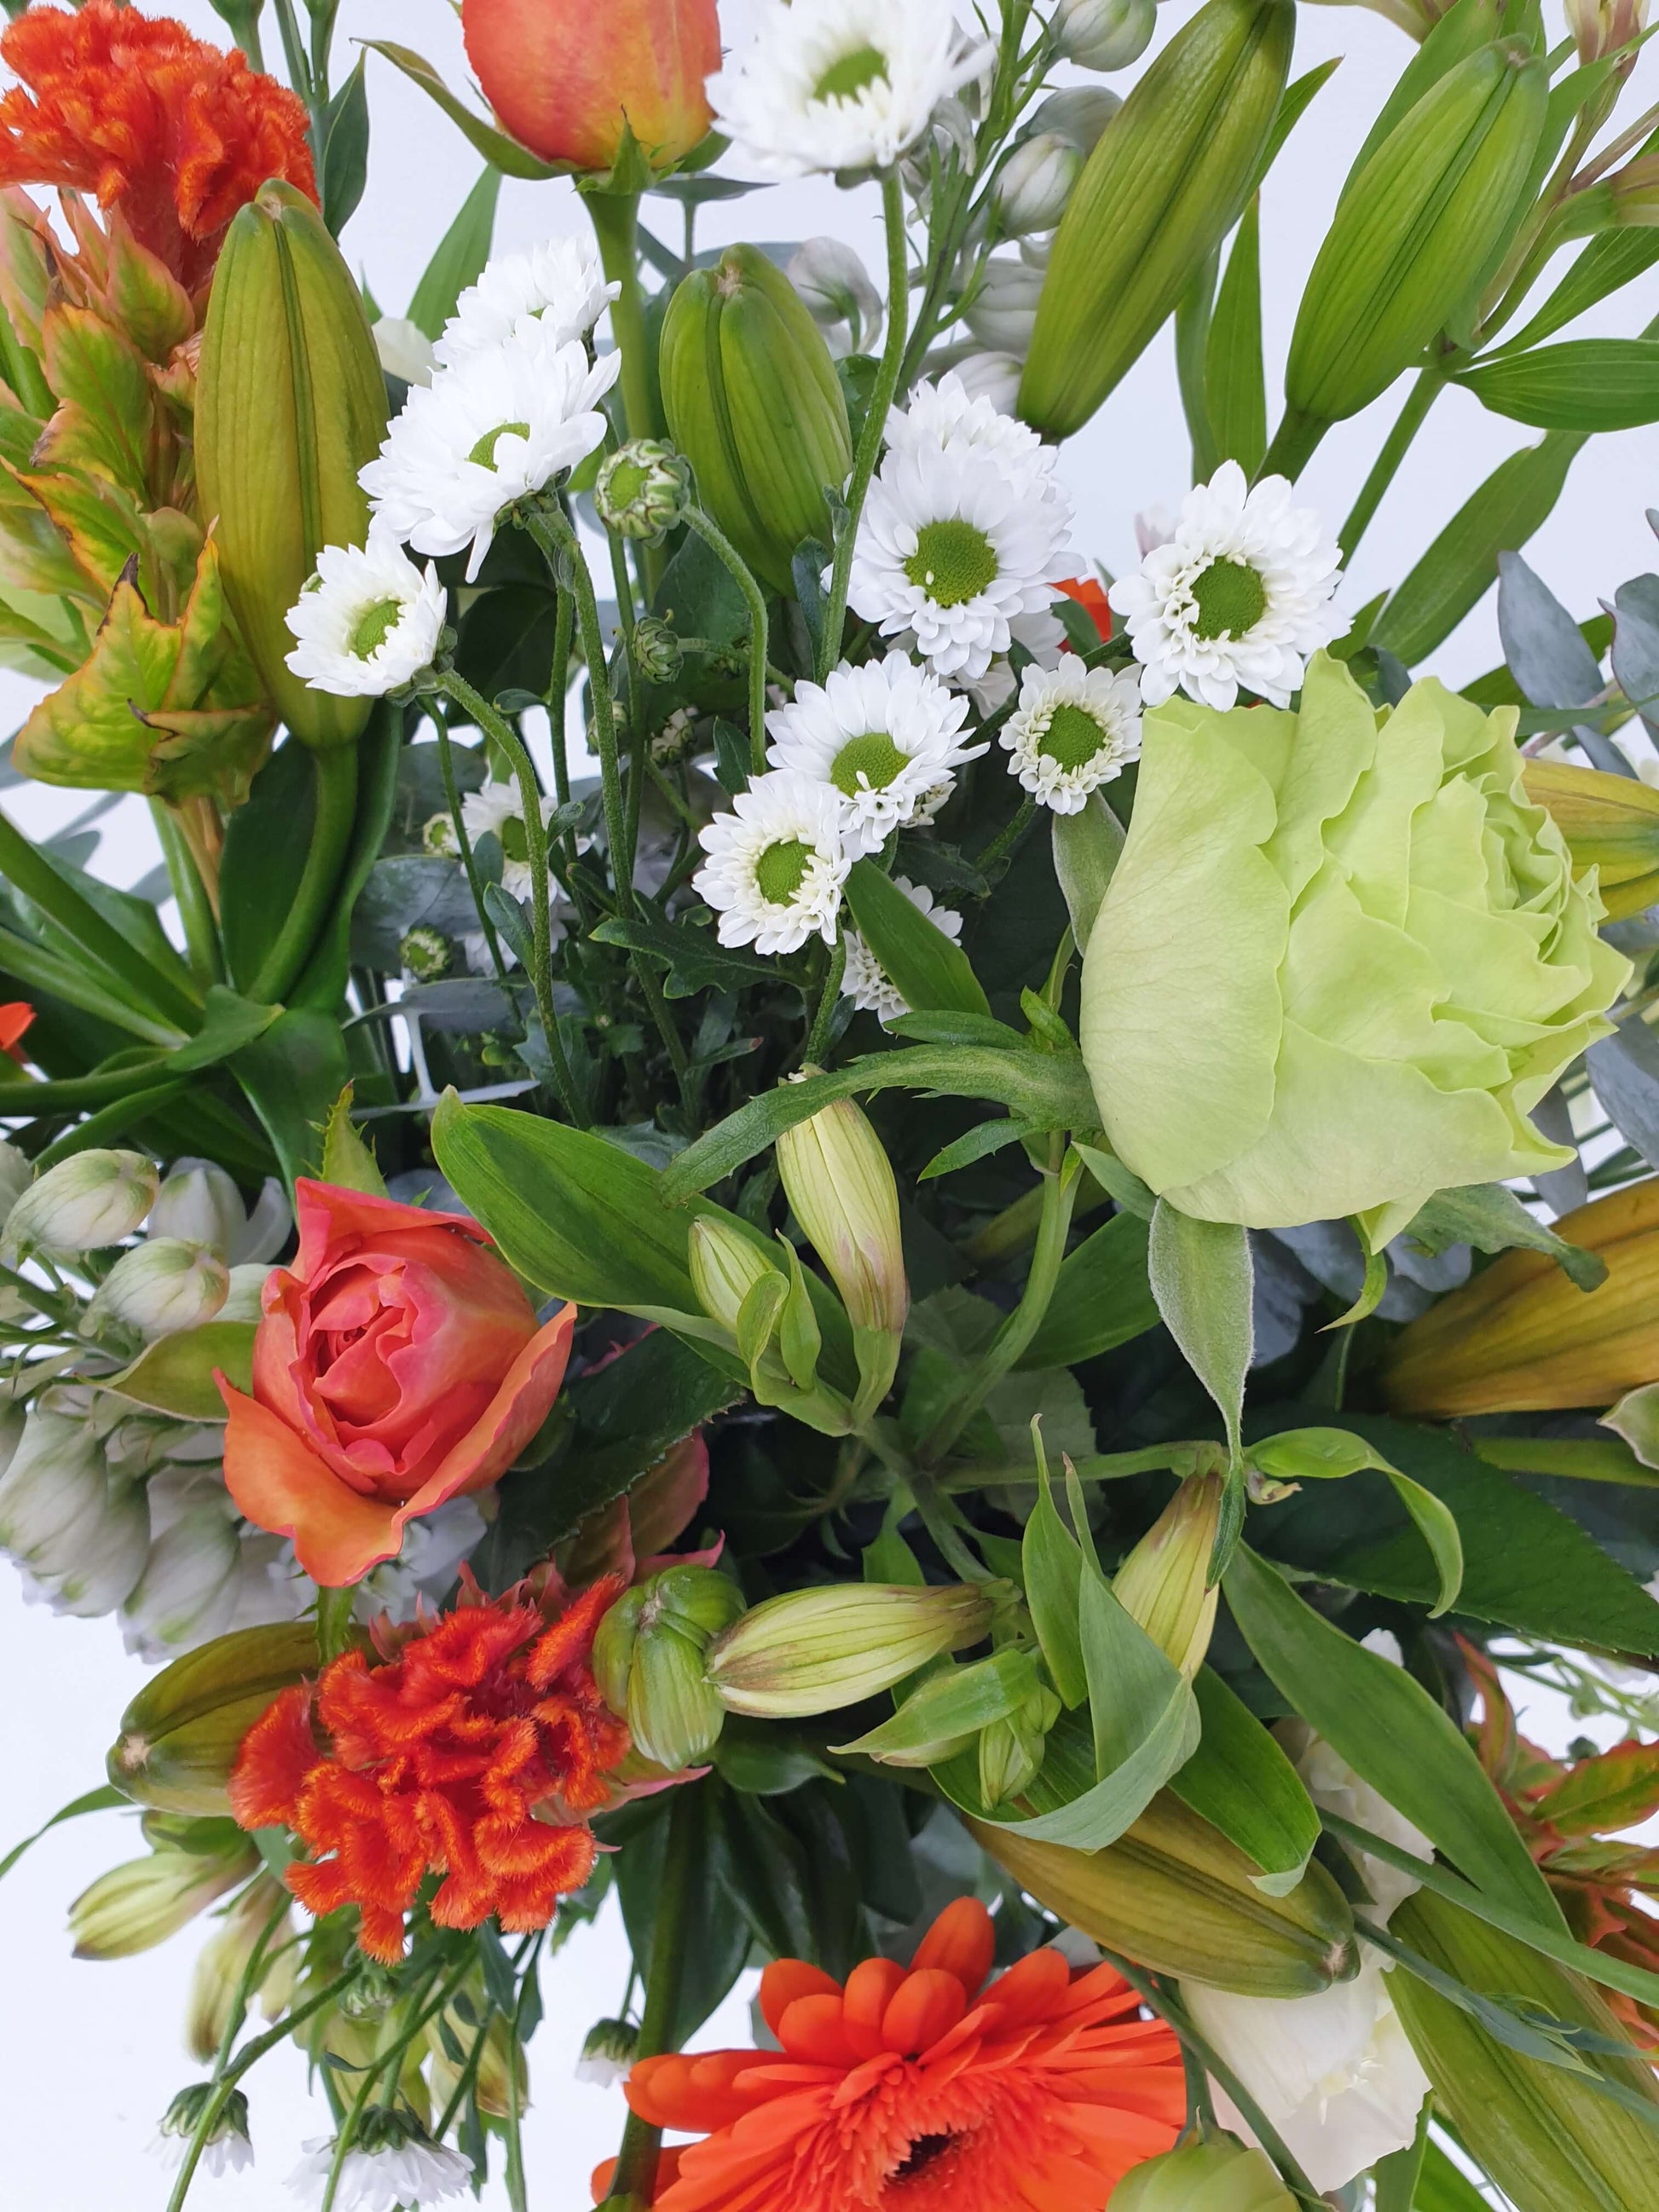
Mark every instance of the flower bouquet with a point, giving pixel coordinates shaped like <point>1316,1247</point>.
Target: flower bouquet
<point>783,1205</point>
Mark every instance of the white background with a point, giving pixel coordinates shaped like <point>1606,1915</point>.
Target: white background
<point>90,2056</point>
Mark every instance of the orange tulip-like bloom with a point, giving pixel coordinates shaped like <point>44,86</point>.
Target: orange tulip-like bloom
<point>476,1753</point>
<point>923,2091</point>
<point>567,78</point>
<point>135,110</point>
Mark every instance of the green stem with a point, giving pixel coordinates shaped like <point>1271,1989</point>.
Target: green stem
<point>518,2196</point>
<point>113,1121</point>
<point>1007,837</point>
<point>615,220</point>
<point>875,424</point>
<point>552,530</point>
<point>1294,446</point>
<point>1430,382</point>
<point>558,694</point>
<point>334,1608</point>
<point>636,2164</point>
<point>817,1042</point>
<point>195,908</point>
<point>452,800</point>
<point>336,768</point>
<point>720,544</point>
<point>392,2056</point>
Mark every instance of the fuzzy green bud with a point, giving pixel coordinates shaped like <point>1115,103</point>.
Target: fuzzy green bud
<point>658,656</point>
<point>815,1650</point>
<point>1220,2174</point>
<point>642,491</point>
<point>649,1659</point>
<point>87,1201</point>
<point>840,1184</point>
<point>424,952</point>
<point>1165,1582</point>
<point>754,404</point>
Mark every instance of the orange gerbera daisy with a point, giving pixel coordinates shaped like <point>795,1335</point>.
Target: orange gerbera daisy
<point>474,1752</point>
<point>135,110</point>
<point>920,2091</point>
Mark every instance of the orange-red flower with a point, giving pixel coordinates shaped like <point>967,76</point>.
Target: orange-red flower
<point>135,110</point>
<point>16,1017</point>
<point>567,78</point>
<point>1090,595</point>
<point>923,2091</point>
<point>475,1754</point>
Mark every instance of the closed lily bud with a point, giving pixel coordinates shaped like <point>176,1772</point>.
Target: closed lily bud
<point>649,1659</point>
<point>1610,823</point>
<point>1165,185</point>
<point>290,405</point>
<point>835,288</point>
<point>569,80</point>
<point>1164,1582</point>
<point>1003,313</point>
<point>840,1184</point>
<point>1220,2174</point>
<point>1600,27</point>
<point>188,1592</point>
<point>1104,35</point>
<point>1520,1337</point>
<point>642,491</point>
<point>1036,182</point>
<point>815,1650</point>
<point>225,1957</point>
<point>162,1285</point>
<point>754,404</point>
<point>134,1907</point>
<point>199,1202</point>
<point>83,1533</point>
<point>86,1202</point>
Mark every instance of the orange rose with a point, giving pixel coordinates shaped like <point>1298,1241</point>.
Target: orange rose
<point>565,77</point>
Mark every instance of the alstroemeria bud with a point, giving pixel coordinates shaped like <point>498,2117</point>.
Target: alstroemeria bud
<point>1003,313</point>
<point>134,1907</point>
<point>1600,27</point>
<point>190,1586</point>
<point>1036,182</point>
<point>457,2029</point>
<point>754,404</point>
<point>642,491</point>
<point>224,1959</point>
<point>1078,114</point>
<point>649,1660</point>
<point>726,1266</point>
<point>569,80</point>
<point>87,1201</point>
<point>1104,35</point>
<point>1220,2174</point>
<point>83,1533</point>
<point>836,287</point>
<point>1011,1751</point>
<point>199,1202</point>
<point>1164,1584</point>
<point>162,1285</point>
<point>840,1184</point>
<point>1610,823</point>
<point>290,405</point>
<point>815,1650</point>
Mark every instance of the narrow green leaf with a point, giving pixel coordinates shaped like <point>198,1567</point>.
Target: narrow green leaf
<point>1201,1276</point>
<point>459,261</point>
<point>758,1317</point>
<point>1122,1182</point>
<point>1443,2187</point>
<point>1088,1816</point>
<point>1294,102</point>
<point>1438,1525</point>
<point>1371,1292</point>
<point>955,1703</point>
<point>292,1074</point>
<point>930,973</point>
<point>1088,845</point>
<point>503,152</point>
<point>345,162</point>
<point>799,1338</point>
<point>30,871</point>
<point>104,1800</point>
<point>1396,2176</point>
<point>1606,264</point>
<point>1234,381</point>
<point>1103,1297</point>
<point>1241,1782</point>
<point>1583,384</point>
<point>978,1143</point>
<point>1051,1563</point>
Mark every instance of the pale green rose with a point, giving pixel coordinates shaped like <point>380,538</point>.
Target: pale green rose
<point>1341,961</point>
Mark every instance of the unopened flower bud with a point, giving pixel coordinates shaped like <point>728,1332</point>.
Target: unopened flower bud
<point>1610,823</point>
<point>87,1201</point>
<point>840,1184</point>
<point>1164,1582</point>
<point>83,1533</point>
<point>200,1203</point>
<point>372,1995</point>
<point>1036,182</point>
<point>500,2058</point>
<point>815,1650</point>
<point>658,656</point>
<point>188,1591</point>
<point>1078,115</point>
<point>163,1284</point>
<point>608,2052</point>
<point>1011,1751</point>
<point>992,376</point>
<point>1104,35</point>
<point>726,1266</point>
<point>1002,314</point>
<point>839,295</point>
<point>225,1957</point>
<point>438,837</point>
<point>1600,27</point>
<point>642,489</point>
<point>134,1907</point>
<point>404,349</point>
<point>1218,2174</point>
<point>227,2148</point>
<point>424,952</point>
<point>650,1657</point>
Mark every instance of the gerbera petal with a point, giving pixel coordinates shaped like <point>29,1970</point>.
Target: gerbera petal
<point>927,2007</point>
<point>1031,1989</point>
<point>787,1979</point>
<point>870,1988</point>
<point>963,1941</point>
<point>812,2029</point>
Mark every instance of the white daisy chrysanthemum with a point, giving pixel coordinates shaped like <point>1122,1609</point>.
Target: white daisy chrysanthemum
<point>368,622</point>
<point>866,982</point>
<point>777,863</point>
<point>938,415</point>
<point>1237,599</point>
<point>1074,728</point>
<point>560,282</point>
<point>840,84</point>
<point>493,428</point>
<point>954,545</point>
<point>400,2166</point>
<point>884,737</point>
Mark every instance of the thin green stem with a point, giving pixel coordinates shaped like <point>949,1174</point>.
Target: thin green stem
<point>195,908</point>
<point>517,2194</point>
<point>1007,837</point>
<point>636,2164</point>
<point>552,530</point>
<point>336,770</point>
<point>615,220</point>
<point>720,544</point>
<point>875,424</point>
<point>253,1973</point>
<point>390,2057</point>
<point>818,1042</point>
<point>452,800</point>
<point>1431,383</point>
<point>558,693</point>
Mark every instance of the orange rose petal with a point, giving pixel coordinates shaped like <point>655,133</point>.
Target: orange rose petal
<point>870,1988</point>
<point>961,1941</point>
<point>811,2030</point>
<point>517,1409</point>
<point>279,1483</point>
<point>785,1980</point>
<point>927,2007</point>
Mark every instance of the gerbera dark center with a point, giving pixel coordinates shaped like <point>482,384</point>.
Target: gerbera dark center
<point>874,756</point>
<point>1073,737</point>
<point>1230,598</point>
<point>953,562</point>
<point>923,2152</point>
<point>375,626</point>
<point>484,452</point>
<point>846,78</point>
<point>780,871</point>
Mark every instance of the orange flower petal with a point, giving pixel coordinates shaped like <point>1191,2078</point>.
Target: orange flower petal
<point>785,1980</point>
<point>928,2006</point>
<point>1031,1989</point>
<point>963,1941</point>
<point>811,2030</point>
<point>870,1988</point>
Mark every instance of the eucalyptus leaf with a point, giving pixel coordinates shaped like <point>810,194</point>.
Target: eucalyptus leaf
<point>1492,1217</point>
<point>1624,1069</point>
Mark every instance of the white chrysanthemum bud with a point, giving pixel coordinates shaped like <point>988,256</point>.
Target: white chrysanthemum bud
<point>1105,34</point>
<point>424,952</point>
<point>1078,115</point>
<point>89,1201</point>
<point>839,295</point>
<point>163,1284</point>
<point>438,837</point>
<point>200,1203</point>
<point>608,2052</point>
<point>1002,314</point>
<point>1037,183</point>
<point>228,2149</point>
<point>190,1587</point>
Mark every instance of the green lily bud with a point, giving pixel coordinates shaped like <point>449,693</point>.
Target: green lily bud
<point>290,405</point>
<point>134,1907</point>
<point>1610,823</point>
<point>1414,237</point>
<point>1166,182</point>
<point>815,1650</point>
<point>1164,1582</point>
<point>840,1183</point>
<point>649,1657</point>
<point>754,404</point>
<point>642,489</point>
<point>1217,2175</point>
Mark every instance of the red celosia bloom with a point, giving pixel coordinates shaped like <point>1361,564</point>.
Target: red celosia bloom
<point>924,2090</point>
<point>134,109</point>
<point>474,1753</point>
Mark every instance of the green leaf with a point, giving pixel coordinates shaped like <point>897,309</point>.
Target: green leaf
<point>695,958</point>
<point>292,1074</point>
<point>953,1703</point>
<point>345,163</point>
<point>1371,1291</point>
<point>930,973</point>
<point>1606,264</point>
<point>1584,385</point>
<point>229,1024</point>
<point>1201,1276</point>
<point>347,1160</point>
<point>1493,1220</point>
<point>266,842</point>
<point>1443,2187</point>
<point>175,1373</point>
<point>1390,1731</point>
<point>978,1143</point>
<point>1437,1526</point>
<point>1293,104</point>
<point>1088,845</point>
<point>1051,1565</point>
<point>323,982</point>
<point>1332,1454</point>
<point>462,253</point>
<point>1122,1182</point>
<point>1102,1298</point>
<point>1234,382</point>
<point>1396,2176</point>
<point>104,1800</point>
<point>1240,1781</point>
<point>501,152</point>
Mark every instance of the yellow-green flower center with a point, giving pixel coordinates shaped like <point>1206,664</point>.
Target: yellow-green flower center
<point>1073,737</point>
<point>1232,599</point>
<point>515,846</point>
<point>954,562</point>
<point>874,756</point>
<point>846,78</point>
<point>484,452</point>
<point>780,869</point>
<point>627,481</point>
<point>375,626</point>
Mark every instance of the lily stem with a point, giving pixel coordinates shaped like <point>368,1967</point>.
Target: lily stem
<point>636,2163</point>
<point>1430,382</point>
<point>336,770</point>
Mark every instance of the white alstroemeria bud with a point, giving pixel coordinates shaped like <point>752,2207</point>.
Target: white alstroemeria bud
<point>992,376</point>
<point>190,1587</point>
<point>161,1286</point>
<point>1078,115</point>
<point>839,295</point>
<point>1036,182</point>
<point>1105,34</point>
<point>1003,313</point>
<point>1600,27</point>
<point>86,1202</point>
<point>405,350</point>
<point>200,1203</point>
<point>16,1174</point>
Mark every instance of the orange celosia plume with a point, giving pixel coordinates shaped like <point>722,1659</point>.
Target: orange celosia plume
<point>135,110</point>
<point>440,1761</point>
<point>922,2091</point>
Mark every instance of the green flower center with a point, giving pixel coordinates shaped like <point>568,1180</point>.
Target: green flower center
<point>514,845</point>
<point>1073,737</point>
<point>874,756</point>
<point>484,452</point>
<point>626,482</point>
<point>375,626</point>
<point>1232,599</point>
<point>780,871</point>
<point>846,78</point>
<point>953,562</point>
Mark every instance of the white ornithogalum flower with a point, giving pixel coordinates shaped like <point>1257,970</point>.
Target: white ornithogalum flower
<point>1237,599</point>
<point>162,1285</point>
<point>368,622</point>
<point>91,1200</point>
<point>955,545</point>
<point>866,982</point>
<point>1073,729</point>
<point>840,84</point>
<point>884,736</point>
<point>198,1200</point>
<point>957,412</point>
<point>777,863</point>
<point>394,2167</point>
<point>835,288</point>
<point>499,425</point>
<point>559,283</point>
<point>192,1584</point>
<point>1035,183</point>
